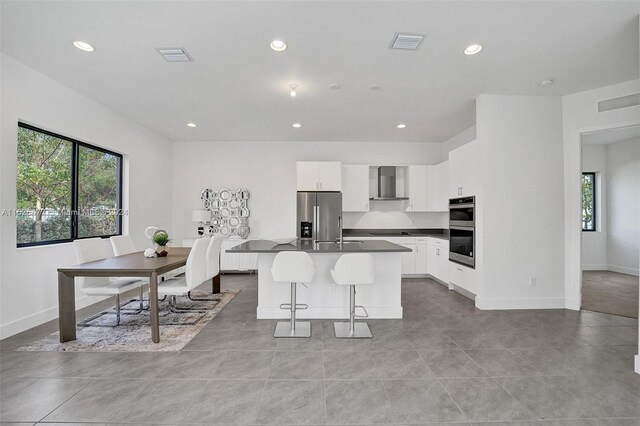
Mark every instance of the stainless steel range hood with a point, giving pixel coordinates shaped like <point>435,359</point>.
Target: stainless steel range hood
<point>387,184</point>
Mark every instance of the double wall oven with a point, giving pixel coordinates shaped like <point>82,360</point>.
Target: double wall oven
<point>462,230</point>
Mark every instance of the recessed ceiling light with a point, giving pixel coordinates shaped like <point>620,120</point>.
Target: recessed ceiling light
<point>472,49</point>
<point>334,86</point>
<point>296,125</point>
<point>293,90</point>
<point>83,46</point>
<point>401,126</point>
<point>374,87</point>
<point>278,45</point>
<point>192,125</point>
<point>546,83</point>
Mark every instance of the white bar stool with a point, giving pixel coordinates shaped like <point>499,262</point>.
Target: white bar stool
<point>293,267</point>
<point>354,269</point>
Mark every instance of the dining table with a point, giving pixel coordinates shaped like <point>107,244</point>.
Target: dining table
<point>128,265</point>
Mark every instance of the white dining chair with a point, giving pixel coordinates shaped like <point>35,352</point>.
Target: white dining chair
<point>212,265</point>
<point>92,249</point>
<point>123,244</point>
<point>195,274</point>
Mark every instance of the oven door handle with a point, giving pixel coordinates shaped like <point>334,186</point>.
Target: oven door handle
<point>463,228</point>
<point>460,206</point>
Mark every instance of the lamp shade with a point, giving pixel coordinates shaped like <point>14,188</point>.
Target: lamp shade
<point>200,215</point>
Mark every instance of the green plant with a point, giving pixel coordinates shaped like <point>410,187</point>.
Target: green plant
<point>161,238</point>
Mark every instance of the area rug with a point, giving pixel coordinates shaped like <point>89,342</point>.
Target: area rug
<point>134,332</point>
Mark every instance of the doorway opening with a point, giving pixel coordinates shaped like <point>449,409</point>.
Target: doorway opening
<point>611,220</point>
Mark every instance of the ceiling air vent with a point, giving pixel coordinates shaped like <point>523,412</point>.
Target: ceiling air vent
<point>175,54</point>
<point>617,103</point>
<point>406,41</point>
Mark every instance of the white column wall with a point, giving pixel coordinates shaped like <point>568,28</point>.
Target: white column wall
<point>520,208</point>
<point>623,206</point>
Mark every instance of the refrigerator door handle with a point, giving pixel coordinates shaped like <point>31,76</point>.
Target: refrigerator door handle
<point>316,225</point>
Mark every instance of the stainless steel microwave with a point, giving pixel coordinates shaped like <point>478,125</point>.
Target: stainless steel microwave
<point>462,211</point>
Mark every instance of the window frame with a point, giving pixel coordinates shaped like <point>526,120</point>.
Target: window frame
<point>594,198</point>
<point>75,164</point>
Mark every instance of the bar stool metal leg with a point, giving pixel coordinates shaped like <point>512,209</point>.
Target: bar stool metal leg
<point>352,329</point>
<point>293,328</point>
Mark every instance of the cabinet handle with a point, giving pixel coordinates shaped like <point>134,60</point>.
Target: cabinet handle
<point>459,269</point>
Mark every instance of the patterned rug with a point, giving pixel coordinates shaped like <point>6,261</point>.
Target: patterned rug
<point>134,332</point>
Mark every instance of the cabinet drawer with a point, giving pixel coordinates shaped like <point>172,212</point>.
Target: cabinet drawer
<point>462,277</point>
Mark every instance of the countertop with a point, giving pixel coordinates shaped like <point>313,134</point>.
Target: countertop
<point>407,232</point>
<point>267,246</point>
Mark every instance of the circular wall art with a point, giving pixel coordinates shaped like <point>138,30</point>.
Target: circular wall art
<point>229,211</point>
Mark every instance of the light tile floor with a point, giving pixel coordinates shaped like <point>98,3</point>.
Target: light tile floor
<point>444,362</point>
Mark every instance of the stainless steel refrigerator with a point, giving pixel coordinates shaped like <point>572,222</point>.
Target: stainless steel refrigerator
<point>319,216</point>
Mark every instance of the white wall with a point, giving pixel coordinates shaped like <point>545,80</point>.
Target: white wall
<point>268,170</point>
<point>520,229</point>
<point>28,285</point>
<point>594,244</point>
<point>623,205</point>
<point>579,115</point>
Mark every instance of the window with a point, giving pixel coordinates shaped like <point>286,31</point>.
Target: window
<point>589,201</point>
<point>66,189</point>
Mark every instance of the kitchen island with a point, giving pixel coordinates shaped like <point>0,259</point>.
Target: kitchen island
<point>324,297</point>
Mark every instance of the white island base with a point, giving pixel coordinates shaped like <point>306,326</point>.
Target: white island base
<point>327,299</point>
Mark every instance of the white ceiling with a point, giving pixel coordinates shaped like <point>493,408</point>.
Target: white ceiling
<point>237,88</point>
<point>608,136</point>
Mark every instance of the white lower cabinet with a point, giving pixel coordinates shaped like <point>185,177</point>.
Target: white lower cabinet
<point>463,277</point>
<point>421,256</point>
<point>438,259</point>
<point>237,261</point>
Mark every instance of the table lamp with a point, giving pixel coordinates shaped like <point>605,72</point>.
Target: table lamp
<point>202,217</point>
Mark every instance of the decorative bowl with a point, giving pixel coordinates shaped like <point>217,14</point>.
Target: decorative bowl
<point>284,240</point>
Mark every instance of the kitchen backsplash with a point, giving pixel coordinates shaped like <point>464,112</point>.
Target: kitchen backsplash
<point>394,219</point>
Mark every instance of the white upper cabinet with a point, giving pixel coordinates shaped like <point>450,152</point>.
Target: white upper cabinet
<point>355,188</point>
<point>438,187</point>
<point>417,189</point>
<point>463,170</point>
<point>319,175</point>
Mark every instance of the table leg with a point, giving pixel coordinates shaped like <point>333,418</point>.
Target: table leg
<point>153,303</point>
<point>215,284</point>
<point>66,307</point>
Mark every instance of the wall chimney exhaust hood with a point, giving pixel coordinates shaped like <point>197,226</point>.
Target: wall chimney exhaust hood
<point>387,185</point>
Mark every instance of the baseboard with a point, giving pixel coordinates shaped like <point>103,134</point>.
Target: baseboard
<point>612,268</point>
<point>462,291</point>
<point>34,320</point>
<point>572,304</point>
<point>623,270</point>
<point>529,303</point>
<point>595,267</point>
<point>637,364</point>
<point>269,312</point>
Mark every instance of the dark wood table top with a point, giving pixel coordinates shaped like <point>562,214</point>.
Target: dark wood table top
<point>133,264</point>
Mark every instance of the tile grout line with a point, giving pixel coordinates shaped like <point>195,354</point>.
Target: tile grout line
<point>65,401</point>
<point>453,400</point>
